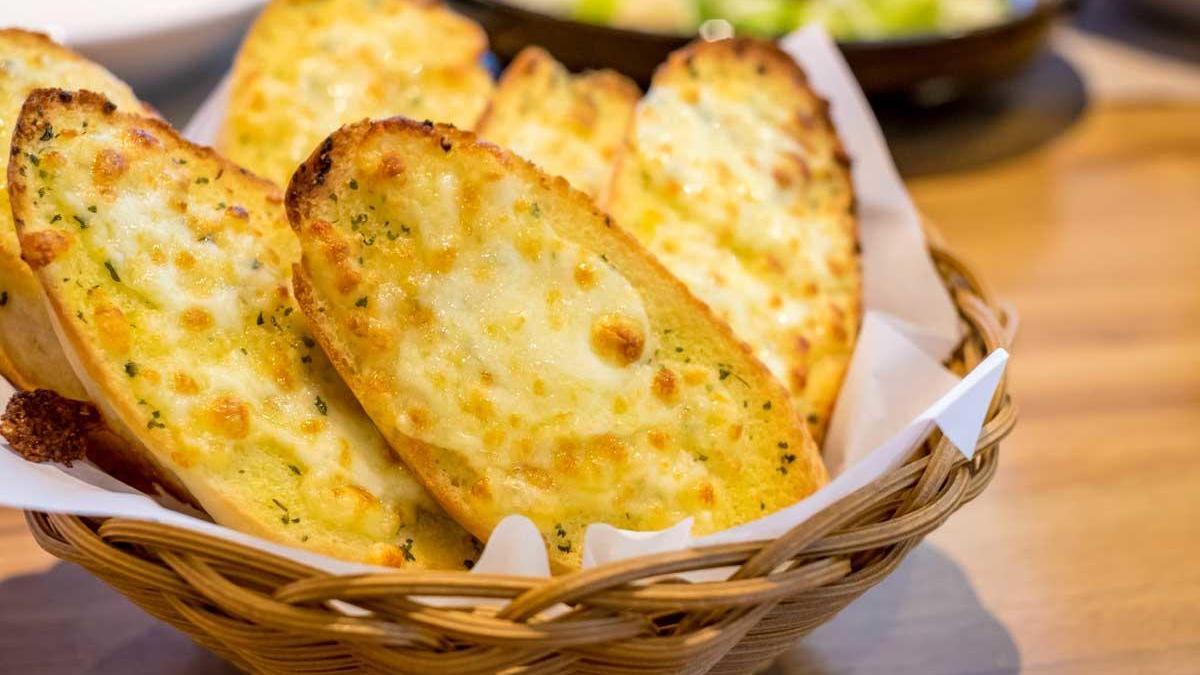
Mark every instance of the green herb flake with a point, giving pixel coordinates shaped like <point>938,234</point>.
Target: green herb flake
<point>559,530</point>
<point>57,217</point>
<point>92,208</point>
<point>565,548</point>
<point>353,184</point>
<point>112,271</point>
<point>361,302</point>
<point>33,159</point>
<point>295,469</point>
<point>81,221</point>
<point>321,406</point>
<point>406,549</point>
<point>47,133</point>
<point>202,180</point>
<point>724,372</point>
<point>3,298</point>
<point>259,320</point>
<point>280,504</point>
<point>131,368</point>
<point>767,405</point>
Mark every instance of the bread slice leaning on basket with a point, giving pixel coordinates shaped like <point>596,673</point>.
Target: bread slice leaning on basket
<point>569,125</point>
<point>524,354</point>
<point>167,272</point>
<point>30,356</point>
<point>735,178</point>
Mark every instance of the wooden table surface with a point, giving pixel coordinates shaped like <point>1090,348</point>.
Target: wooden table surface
<point>1083,556</point>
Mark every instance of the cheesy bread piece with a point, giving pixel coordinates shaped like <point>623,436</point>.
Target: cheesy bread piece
<point>735,178</point>
<point>309,66</point>
<point>570,126</point>
<point>522,353</point>
<point>30,356</point>
<point>167,272</point>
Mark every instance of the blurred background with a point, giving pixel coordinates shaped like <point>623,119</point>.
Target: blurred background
<point>988,79</point>
<point>1054,144</point>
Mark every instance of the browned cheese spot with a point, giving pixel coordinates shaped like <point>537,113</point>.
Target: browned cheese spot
<point>182,383</point>
<point>196,319</point>
<point>229,417</point>
<point>111,327</point>
<point>585,276</point>
<point>618,339</point>
<point>108,166</point>
<point>658,439</point>
<point>391,165</point>
<point>39,249</point>
<point>665,387</point>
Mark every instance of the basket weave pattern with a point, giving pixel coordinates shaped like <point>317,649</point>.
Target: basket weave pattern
<point>271,615</point>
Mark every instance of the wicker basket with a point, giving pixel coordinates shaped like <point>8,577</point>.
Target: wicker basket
<point>270,615</point>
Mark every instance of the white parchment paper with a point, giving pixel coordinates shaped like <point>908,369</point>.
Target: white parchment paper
<point>896,390</point>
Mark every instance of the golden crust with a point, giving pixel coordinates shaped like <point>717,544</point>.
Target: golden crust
<point>424,284</point>
<point>169,284</point>
<point>734,176</point>
<point>569,125</point>
<point>306,68</point>
<point>30,356</point>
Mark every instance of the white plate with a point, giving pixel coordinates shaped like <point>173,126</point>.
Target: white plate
<point>142,41</point>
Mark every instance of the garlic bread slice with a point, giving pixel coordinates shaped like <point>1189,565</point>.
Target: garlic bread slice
<point>167,271</point>
<point>735,178</point>
<point>522,353</point>
<point>30,356</point>
<point>308,66</point>
<point>569,125</point>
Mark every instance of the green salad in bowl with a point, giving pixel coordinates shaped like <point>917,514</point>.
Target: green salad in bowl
<point>846,19</point>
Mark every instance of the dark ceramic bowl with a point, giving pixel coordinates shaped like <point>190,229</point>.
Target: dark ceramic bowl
<point>937,63</point>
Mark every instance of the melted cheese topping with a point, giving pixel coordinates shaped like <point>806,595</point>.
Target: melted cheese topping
<point>30,355</point>
<point>308,67</point>
<point>755,217</point>
<point>478,318</point>
<point>571,126</point>
<point>174,268</point>
<point>29,62</point>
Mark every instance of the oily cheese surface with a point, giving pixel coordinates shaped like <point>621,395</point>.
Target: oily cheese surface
<point>168,269</point>
<point>30,356</point>
<point>735,178</point>
<point>309,66</point>
<point>569,125</point>
<point>525,355</point>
